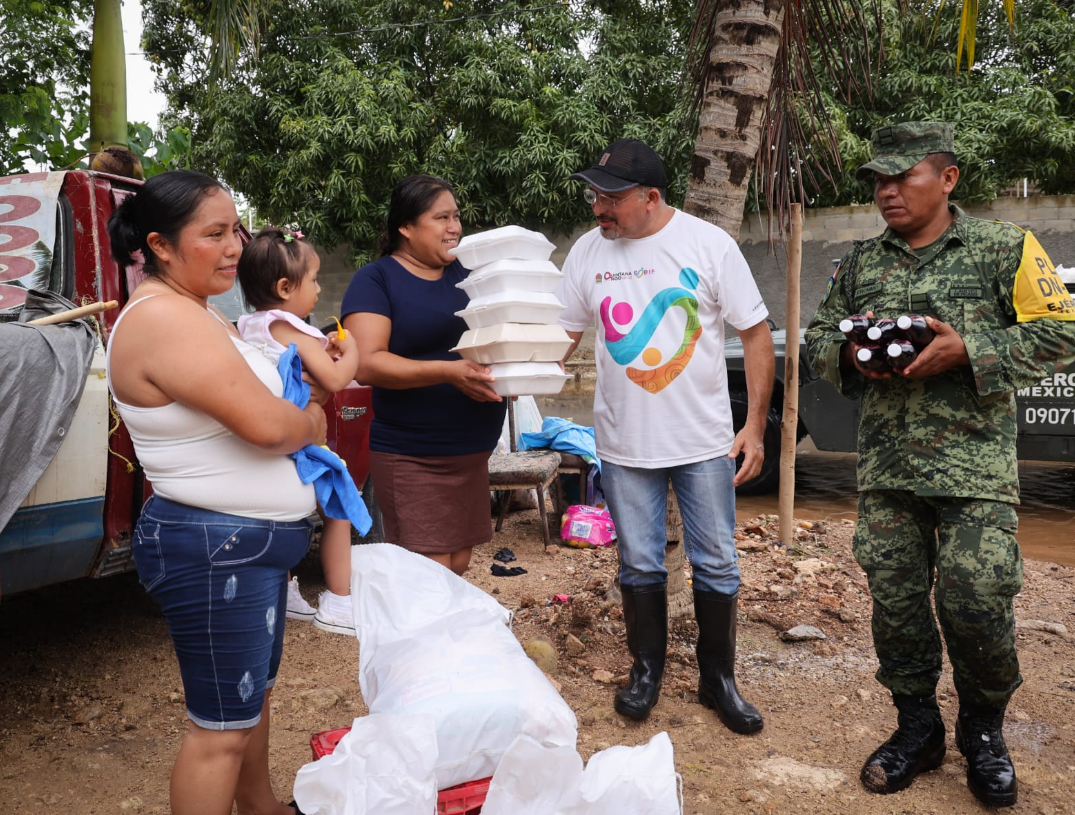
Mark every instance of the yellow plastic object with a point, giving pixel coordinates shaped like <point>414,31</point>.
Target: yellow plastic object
<point>326,447</point>
<point>339,330</point>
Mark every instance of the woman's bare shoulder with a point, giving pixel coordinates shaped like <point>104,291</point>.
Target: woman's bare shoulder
<point>166,309</point>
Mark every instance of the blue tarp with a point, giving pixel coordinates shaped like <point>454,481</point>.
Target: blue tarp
<point>567,437</point>
<point>335,489</point>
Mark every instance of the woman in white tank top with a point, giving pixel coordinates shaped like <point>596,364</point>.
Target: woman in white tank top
<point>227,518</point>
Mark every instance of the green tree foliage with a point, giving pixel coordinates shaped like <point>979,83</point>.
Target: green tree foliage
<point>158,152</point>
<point>505,99</point>
<point>1013,112</point>
<point>44,77</point>
<point>44,92</point>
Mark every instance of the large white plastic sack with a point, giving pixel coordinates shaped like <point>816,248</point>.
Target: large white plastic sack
<point>384,766</point>
<point>532,779</point>
<point>639,779</point>
<point>537,780</point>
<point>527,420</point>
<point>431,643</point>
<point>386,579</point>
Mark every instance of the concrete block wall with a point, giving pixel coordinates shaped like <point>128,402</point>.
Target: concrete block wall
<point>334,277</point>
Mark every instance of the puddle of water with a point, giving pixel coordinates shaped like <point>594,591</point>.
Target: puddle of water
<point>825,489</point>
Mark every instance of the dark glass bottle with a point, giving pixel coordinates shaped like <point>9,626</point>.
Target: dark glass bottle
<point>871,358</point>
<point>855,327</point>
<point>901,354</point>
<point>915,329</point>
<point>882,331</point>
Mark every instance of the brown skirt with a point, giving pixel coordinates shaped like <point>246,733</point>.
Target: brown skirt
<point>433,505</point>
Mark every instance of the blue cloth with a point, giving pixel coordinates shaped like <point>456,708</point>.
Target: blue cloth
<point>567,437</point>
<point>435,420</point>
<point>335,489</point>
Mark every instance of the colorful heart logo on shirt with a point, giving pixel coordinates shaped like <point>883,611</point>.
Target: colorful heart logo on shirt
<point>625,348</point>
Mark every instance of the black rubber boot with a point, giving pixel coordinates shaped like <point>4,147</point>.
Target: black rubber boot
<point>716,616</point>
<point>645,612</point>
<point>990,773</point>
<point>916,747</point>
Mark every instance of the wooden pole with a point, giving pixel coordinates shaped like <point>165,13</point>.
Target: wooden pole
<point>790,422</point>
<point>74,313</point>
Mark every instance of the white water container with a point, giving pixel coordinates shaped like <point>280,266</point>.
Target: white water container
<point>514,342</point>
<point>511,274</point>
<point>528,378</point>
<point>498,244</point>
<point>512,307</point>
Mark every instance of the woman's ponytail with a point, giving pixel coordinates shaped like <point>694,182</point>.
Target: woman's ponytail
<point>124,233</point>
<point>164,204</point>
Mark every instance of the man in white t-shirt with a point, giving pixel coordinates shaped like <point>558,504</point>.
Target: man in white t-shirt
<point>661,284</point>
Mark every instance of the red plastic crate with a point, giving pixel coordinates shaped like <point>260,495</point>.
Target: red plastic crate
<point>462,799</point>
<point>323,743</point>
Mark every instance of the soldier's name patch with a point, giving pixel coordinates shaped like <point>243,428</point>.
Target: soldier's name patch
<point>965,292</point>
<point>868,290</point>
<point>1039,291</point>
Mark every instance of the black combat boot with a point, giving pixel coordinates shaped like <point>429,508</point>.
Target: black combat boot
<point>916,747</point>
<point>716,615</point>
<point>980,738</point>
<point>645,612</point>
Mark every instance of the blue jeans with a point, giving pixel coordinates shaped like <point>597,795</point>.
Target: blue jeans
<point>638,499</point>
<point>221,581</point>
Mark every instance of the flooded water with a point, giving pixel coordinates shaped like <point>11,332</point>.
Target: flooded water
<point>825,490</point>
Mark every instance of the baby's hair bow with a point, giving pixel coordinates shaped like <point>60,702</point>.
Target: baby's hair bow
<point>296,235</point>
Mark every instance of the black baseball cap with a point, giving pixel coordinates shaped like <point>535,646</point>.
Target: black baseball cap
<point>624,164</point>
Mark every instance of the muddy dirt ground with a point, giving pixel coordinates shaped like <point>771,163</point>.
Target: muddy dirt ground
<point>91,709</point>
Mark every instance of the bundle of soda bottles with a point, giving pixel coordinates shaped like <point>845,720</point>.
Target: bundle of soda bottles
<point>886,343</point>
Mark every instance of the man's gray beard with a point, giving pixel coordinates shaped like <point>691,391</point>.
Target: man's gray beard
<point>609,233</point>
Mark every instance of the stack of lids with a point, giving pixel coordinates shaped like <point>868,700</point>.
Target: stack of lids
<point>513,311</point>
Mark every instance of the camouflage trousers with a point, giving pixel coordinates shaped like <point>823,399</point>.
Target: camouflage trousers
<point>964,551</point>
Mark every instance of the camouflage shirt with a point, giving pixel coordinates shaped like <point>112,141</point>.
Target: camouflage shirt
<point>952,434</point>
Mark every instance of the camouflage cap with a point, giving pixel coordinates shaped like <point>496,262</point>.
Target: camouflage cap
<point>898,148</point>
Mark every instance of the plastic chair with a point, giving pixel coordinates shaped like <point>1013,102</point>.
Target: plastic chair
<point>526,470</point>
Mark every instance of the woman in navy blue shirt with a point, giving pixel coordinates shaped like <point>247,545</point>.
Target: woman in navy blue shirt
<point>436,418</point>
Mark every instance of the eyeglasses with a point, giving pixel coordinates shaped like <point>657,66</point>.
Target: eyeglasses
<point>592,197</point>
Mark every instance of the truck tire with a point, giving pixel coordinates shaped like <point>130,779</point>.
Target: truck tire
<point>369,498</point>
<point>769,477</point>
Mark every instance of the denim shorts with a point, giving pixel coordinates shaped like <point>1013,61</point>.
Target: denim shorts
<point>221,581</point>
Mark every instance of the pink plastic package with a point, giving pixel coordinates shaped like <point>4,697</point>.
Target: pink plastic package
<point>583,526</point>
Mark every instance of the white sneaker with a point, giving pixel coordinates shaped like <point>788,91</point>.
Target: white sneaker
<point>334,614</point>
<point>297,607</point>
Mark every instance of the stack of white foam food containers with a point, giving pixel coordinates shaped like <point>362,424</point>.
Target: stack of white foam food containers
<point>513,311</point>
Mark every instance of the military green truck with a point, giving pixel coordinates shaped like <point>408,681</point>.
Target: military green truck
<point>1046,413</point>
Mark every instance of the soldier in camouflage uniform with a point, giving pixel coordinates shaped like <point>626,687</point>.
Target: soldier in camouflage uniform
<point>937,472</point>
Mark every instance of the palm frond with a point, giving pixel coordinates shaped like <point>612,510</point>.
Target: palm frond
<point>1009,11</point>
<point>968,26</point>
<point>233,25</point>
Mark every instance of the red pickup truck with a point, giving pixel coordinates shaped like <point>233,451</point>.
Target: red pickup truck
<point>77,520</point>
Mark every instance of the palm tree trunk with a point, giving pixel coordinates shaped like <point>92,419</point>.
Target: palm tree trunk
<point>746,37</point>
<point>680,596</point>
<point>108,78</point>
